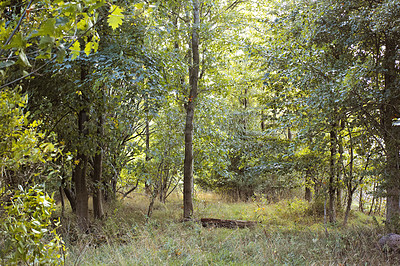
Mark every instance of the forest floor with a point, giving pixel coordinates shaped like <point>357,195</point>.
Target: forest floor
<point>290,232</point>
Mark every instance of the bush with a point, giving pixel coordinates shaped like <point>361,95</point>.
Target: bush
<point>26,232</point>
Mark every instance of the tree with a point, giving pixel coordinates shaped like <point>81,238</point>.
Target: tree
<point>190,107</point>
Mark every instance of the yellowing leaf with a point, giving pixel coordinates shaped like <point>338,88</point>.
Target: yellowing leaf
<point>139,5</point>
<point>88,48</point>
<point>81,24</point>
<point>75,49</point>
<point>95,46</point>
<point>116,17</point>
<point>84,23</point>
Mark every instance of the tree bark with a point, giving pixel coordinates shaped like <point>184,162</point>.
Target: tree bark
<point>79,173</point>
<point>308,192</point>
<point>349,177</point>
<point>262,121</point>
<point>332,176</point>
<point>361,199</point>
<point>340,169</point>
<point>62,201</point>
<point>79,176</point>
<point>98,210</point>
<point>391,133</point>
<point>193,80</point>
<point>69,194</point>
<point>188,164</point>
<point>350,192</point>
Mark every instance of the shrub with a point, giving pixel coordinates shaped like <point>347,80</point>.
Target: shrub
<point>26,230</point>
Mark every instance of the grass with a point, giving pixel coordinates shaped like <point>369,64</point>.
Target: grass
<point>287,235</point>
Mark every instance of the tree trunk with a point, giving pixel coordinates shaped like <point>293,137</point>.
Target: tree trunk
<point>98,210</point>
<point>245,105</point>
<point>194,78</point>
<point>348,207</point>
<point>308,192</point>
<point>62,201</point>
<point>390,132</point>
<point>262,121</point>
<point>79,176</point>
<point>361,200</point>
<point>332,176</point>
<point>340,169</point>
<point>188,164</point>
<point>69,194</point>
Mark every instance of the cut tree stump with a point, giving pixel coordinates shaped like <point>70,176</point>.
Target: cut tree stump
<point>212,222</point>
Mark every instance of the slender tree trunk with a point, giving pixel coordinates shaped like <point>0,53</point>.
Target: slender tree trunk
<point>391,133</point>
<point>193,78</point>
<point>371,208</point>
<point>98,210</point>
<point>340,169</point>
<point>332,176</point>
<point>79,175</point>
<point>308,192</point>
<point>62,201</point>
<point>188,164</point>
<point>262,121</point>
<point>151,205</point>
<point>289,134</point>
<point>245,105</point>
<point>69,194</point>
<point>146,184</point>
<point>350,192</point>
<point>349,180</point>
<point>361,200</point>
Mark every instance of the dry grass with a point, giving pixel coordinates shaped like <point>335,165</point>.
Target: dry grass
<point>287,236</point>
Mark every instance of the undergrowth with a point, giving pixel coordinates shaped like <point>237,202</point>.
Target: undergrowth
<point>287,235</point>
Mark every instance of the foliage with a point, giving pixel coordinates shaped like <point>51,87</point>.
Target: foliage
<point>25,156</point>
<point>44,30</point>
<point>27,230</point>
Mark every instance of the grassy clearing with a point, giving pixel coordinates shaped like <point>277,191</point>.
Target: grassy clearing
<point>288,235</point>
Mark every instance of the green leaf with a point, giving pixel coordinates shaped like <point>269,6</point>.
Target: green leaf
<point>6,64</point>
<point>43,56</point>
<point>47,28</point>
<point>46,42</point>
<point>23,58</point>
<point>75,50</point>
<point>16,41</point>
<point>116,17</point>
<point>60,55</point>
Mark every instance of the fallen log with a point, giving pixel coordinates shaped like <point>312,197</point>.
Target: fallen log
<point>212,222</point>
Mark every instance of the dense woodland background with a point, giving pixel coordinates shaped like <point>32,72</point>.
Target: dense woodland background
<point>254,100</point>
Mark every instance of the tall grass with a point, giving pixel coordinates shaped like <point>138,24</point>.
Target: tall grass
<point>287,235</point>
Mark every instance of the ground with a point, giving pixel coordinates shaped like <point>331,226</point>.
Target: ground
<point>290,233</point>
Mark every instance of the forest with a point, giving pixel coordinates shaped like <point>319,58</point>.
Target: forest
<point>126,125</point>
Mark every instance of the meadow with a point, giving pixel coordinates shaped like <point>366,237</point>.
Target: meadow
<point>290,232</point>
